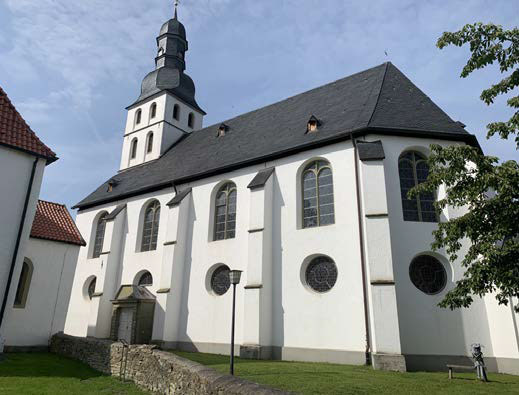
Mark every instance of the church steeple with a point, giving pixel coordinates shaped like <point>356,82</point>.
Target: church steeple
<point>170,65</point>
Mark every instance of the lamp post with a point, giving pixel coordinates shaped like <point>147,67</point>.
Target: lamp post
<point>234,276</point>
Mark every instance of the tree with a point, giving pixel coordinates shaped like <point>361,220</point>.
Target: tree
<point>487,187</point>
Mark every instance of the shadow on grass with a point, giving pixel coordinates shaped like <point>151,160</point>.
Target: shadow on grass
<point>44,365</point>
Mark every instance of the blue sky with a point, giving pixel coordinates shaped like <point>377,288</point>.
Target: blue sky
<point>71,67</point>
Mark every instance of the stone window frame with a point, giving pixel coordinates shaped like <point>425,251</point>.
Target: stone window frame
<point>24,284</point>
<point>176,112</point>
<point>315,168</point>
<point>419,212</point>
<point>153,110</point>
<point>138,117</point>
<point>91,287</point>
<point>191,120</point>
<point>149,143</point>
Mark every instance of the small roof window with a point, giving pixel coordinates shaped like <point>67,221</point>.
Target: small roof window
<point>312,125</point>
<point>222,129</point>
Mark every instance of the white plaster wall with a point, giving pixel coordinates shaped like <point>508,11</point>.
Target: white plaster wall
<point>15,172</point>
<point>45,310</point>
<point>167,130</point>
<point>425,328</point>
<point>300,317</point>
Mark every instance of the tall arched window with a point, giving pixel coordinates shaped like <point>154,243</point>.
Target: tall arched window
<point>150,227</point>
<point>225,212</point>
<point>317,187</point>
<point>23,284</point>
<point>153,110</point>
<point>138,115</point>
<point>149,143</point>
<point>413,170</point>
<point>100,235</point>
<point>191,120</point>
<point>176,112</point>
<point>133,149</point>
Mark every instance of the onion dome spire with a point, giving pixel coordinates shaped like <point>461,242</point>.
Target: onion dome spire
<point>170,65</point>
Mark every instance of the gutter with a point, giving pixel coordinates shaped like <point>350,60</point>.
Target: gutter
<point>362,256</point>
<point>17,244</point>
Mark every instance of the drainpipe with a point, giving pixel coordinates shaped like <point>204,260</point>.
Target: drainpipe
<point>17,244</point>
<point>362,257</point>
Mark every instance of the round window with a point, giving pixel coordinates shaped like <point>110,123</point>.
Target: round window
<point>220,281</point>
<point>92,288</point>
<point>321,274</point>
<point>428,274</point>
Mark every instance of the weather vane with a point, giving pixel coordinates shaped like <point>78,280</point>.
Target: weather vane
<point>176,6</point>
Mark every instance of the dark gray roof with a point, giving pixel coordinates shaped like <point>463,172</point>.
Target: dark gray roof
<point>380,100</point>
<point>261,178</point>
<point>372,150</point>
<point>179,197</point>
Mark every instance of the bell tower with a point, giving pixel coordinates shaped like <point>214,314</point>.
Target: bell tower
<point>166,109</point>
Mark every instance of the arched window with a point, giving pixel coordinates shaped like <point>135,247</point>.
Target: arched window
<point>153,110</point>
<point>100,236</point>
<point>176,112</point>
<point>149,143</point>
<point>133,149</point>
<point>225,212</point>
<point>138,115</point>
<point>150,228</point>
<point>91,290</point>
<point>413,170</point>
<point>146,279</point>
<point>317,187</point>
<point>191,120</point>
<point>23,284</point>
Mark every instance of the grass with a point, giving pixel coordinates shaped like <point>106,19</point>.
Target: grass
<point>42,373</point>
<point>323,378</point>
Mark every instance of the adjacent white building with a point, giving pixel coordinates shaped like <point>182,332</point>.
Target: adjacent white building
<point>39,241</point>
<point>308,197</point>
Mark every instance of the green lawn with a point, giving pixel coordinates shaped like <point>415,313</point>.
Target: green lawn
<point>323,378</point>
<point>42,373</point>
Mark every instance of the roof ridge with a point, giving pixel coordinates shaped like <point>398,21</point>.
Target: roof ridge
<point>379,93</point>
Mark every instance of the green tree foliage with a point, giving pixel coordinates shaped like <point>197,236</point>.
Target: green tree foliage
<point>487,187</point>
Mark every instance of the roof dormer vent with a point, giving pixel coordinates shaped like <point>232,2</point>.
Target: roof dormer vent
<point>312,125</point>
<point>112,182</point>
<point>222,129</point>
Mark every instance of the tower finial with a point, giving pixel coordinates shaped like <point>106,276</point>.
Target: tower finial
<point>176,6</point>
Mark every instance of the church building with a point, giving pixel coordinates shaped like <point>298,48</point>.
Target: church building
<point>308,197</point>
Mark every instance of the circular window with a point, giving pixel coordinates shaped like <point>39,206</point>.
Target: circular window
<point>146,279</point>
<point>220,281</point>
<point>91,288</point>
<point>428,274</point>
<point>321,274</point>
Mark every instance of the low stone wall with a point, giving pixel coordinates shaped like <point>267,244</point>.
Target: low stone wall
<point>152,369</point>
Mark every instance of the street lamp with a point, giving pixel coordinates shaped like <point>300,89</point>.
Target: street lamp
<point>234,276</point>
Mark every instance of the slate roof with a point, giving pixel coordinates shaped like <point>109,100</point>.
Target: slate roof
<point>15,133</point>
<point>380,100</point>
<point>372,150</point>
<point>52,221</point>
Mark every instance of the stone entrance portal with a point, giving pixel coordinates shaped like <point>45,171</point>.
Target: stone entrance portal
<point>132,314</point>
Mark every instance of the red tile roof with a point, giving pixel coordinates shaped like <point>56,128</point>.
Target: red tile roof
<point>53,222</point>
<point>15,132</point>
